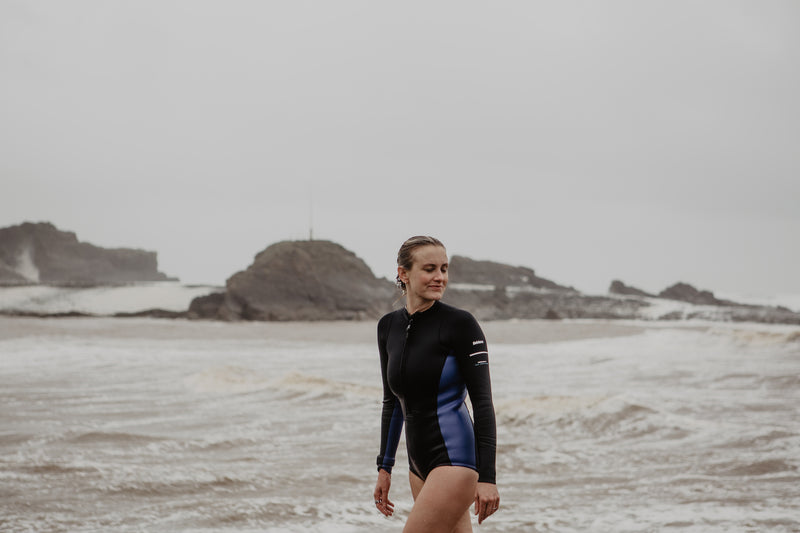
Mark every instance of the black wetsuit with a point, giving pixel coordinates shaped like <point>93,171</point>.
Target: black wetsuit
<point>429,361</point>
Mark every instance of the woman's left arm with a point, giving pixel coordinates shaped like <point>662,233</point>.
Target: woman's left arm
<point>474,361</point>
<point>473,356</point>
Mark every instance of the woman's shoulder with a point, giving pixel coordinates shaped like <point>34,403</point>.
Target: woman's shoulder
<point>458,326</point>
<point>456,313</point>
<point>387,319</point>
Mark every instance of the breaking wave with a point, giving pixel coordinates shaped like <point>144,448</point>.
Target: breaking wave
<point>603,417</point>
<point>235,379</point>
<point>100,300</point>
<point>319,385</point>
<point>228,378</point>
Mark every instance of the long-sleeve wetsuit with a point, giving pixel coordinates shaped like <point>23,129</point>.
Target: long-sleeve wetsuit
<point>429,361</point>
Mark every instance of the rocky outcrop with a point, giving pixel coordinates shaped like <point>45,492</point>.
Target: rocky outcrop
<point>617,287</point>
<point>686,293</point>
<point>300,280</point>
<point>464,270</point>
<point>736,313</point>
<point>695,304</point>
<point>494,291</point>
<point>41,253</point>
<point>10,276</point>
<point>504,304</point>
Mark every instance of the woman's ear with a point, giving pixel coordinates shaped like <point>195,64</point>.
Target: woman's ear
<point>402,275</point>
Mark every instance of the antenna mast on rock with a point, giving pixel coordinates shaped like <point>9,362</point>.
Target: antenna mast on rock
<point>310,214</point>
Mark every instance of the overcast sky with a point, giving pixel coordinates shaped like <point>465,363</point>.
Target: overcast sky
<point>651,142</point>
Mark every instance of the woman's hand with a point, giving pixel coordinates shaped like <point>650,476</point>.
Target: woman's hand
<point>381,493</point>
<point>487,500</point>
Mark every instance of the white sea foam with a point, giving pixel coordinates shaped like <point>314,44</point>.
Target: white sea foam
<point>26,267</point>
<point>788,300</point>
<point>101,300</point>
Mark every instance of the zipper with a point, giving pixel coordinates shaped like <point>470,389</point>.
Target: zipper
<point>403,356</point>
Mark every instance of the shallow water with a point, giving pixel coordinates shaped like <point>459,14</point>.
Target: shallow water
<point>147,425</point>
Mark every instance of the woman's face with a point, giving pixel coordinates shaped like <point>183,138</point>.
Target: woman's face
<point>427,278</point>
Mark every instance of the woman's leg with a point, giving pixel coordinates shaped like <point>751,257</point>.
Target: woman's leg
<point>441,502</point>
<point>416,484</point>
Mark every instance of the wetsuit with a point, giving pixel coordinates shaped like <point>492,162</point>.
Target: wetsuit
<point>429,361</point>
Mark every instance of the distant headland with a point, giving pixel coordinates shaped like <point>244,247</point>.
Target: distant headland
<point>321,280</point>
<point>39,253</point>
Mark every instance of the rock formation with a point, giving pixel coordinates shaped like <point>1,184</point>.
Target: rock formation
<point>40,253</point>
<point>495,291</point>
<point>300,280</point>
<point>503,304</point>
<point>469,271</point>
<point>617,287</point>
<point>686,293</point>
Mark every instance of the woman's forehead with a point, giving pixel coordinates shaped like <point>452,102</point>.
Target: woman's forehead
<point>430,254</point>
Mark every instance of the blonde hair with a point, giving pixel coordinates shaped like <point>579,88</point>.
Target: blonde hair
<point>405,256</point>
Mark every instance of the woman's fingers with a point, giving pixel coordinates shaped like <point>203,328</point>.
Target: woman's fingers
<point>484,510</point>
<point>381,495</point>
<point>487,501</point>
<point>488,510</point>
<point>384,505</point>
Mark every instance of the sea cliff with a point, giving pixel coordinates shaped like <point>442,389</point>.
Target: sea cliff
<point>40,253</point>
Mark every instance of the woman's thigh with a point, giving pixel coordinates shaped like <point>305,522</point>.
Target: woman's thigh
<point>441,502</point>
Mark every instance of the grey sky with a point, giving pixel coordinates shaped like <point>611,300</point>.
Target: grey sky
<point>647,141</point>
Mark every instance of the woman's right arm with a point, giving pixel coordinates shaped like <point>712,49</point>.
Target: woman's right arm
<point>391,412</point>
<point>391,427</point>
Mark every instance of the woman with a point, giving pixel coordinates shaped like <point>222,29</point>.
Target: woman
<point>432,354</point>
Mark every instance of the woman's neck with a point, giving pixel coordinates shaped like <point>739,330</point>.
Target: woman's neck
<point>418,306</point>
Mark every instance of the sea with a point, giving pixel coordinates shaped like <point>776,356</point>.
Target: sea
<point>158,425</point>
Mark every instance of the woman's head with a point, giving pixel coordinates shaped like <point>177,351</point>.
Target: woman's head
<point>422,268</point>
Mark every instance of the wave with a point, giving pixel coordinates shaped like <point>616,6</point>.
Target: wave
<point>542,407</point>
<point>754,468</point>
<point>319,386</point>
<point>758,441</point>
<point>231,378</point>
<point>44,469</point>
<point>761,336</point>
<point>790,382</point>
<point>173,488</point>
<point>114,438</point>
<point>593,416</point>
<point>228,378</point>
<point>100,300</point>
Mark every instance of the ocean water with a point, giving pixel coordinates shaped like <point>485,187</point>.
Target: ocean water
<point>130,425</point>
